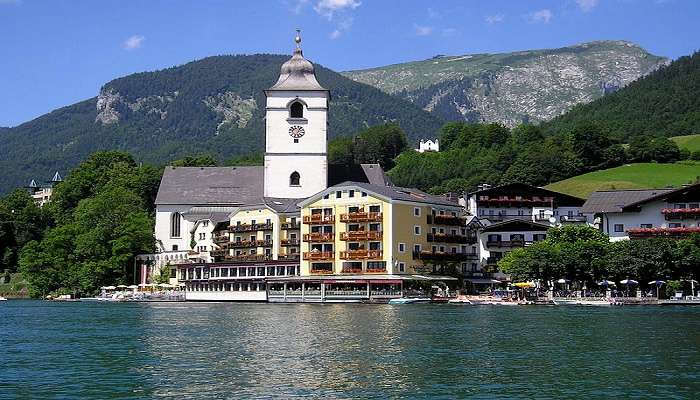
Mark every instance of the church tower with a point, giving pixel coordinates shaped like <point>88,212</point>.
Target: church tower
<point>296,165</point>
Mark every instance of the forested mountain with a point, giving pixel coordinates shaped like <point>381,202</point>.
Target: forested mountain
<point>214,105</point>
<point>510,88</point>
<point>664,103</point>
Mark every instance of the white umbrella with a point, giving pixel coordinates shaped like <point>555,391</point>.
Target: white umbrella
<point>657,284</point>
<point>606,283</point>
<point>628,282</point>
<point>109,287</point>
<point>132,287</point>
<point>165,285</point>
<point>562,280</point>
<point>122,286</point>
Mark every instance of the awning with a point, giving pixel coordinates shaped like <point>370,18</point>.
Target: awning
<point>482,281</point>
<point>345,281</point>
<point>385,281</point>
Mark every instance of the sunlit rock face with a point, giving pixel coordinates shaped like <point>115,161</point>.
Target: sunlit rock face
<point>511,88</point>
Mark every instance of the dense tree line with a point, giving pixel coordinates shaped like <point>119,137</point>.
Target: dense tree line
<point>471,154</point>
<point>664,103</point>
<point>379,144</point>
<point>584,254</point>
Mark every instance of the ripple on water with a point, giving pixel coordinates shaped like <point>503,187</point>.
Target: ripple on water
<point>223,350</point>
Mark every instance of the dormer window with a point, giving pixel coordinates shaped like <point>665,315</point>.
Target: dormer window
<point>296,110</point>
<point>294,179</point>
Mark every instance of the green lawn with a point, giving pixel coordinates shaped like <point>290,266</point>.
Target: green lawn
<point>690,142</point>
<point>630,176</point>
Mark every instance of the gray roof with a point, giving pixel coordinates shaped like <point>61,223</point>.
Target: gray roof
<point>375,175</point>
<point>614,200</point>
<point>211,185</point>
<point>283,206</point>
<point>297,73</point>
<point>214,214</point>
<point>389,192</point>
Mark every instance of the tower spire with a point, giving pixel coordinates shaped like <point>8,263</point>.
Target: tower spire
<point>297,39</point>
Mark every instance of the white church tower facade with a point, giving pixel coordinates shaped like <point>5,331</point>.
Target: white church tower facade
<point>296,163</point>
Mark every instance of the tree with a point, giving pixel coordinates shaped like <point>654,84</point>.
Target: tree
<point>21,221</point>
<point>204,160</point>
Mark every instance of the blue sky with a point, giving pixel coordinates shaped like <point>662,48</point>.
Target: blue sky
<point>57,52</point>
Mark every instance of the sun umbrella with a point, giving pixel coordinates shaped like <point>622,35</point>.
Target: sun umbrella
<point>606,283</point>
<point>658,285</point>
<point>110,287</point>
<point>628,282</point>
<point>132,287</point>
<point>562,280</point>
<point>165,285</point>
<point>524,284</point>
<point>122,286</point>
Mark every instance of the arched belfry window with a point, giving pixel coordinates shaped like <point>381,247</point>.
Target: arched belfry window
<point>296,110</point>
<point>294,179</point>
<point>175,225</point>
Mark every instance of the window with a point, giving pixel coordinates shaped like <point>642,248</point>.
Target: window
<point>645,226</point>
<point>364,194</point>
<point>205,223</point>
<point>402,247</point>
<point>679,205</point>
<point>175,225</point>
<point>173,273</point>
<point>338,194</point>
<point>416,248</point>
<point>374,209</point>
<point>619,227</point>
<point>693,205</point>
<point>402,267</point>
<point>351,193</point>
<point>416,230</point>
<point>202,236</point>
<point>296,110</point>
<point>175,248</point>
<point>416,211</point>
<point>294,179</point>
<point>674,225</point>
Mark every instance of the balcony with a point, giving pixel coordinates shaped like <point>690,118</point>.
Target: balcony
<point>573,218</point>
<point>221,238</point>
<point>249,258</point>
<point>361,216</point>
<point>319,256</point>
<point>449,238</point>
<point>324,270</point>
<point>319,237</point>
<point>318,219</point>
<point>507,217</point>
<point>506,243</point>
<point>347,270</point>
<point>290,242</point>
<point>452,220</point>
<point>439,256</point>
<point>681,213</point>
<point>250,227</point>
<point>673,233</point>
<point>250,243</point>
<point>218,253</point>
<point>361,254</point>
<point>361,235</point>
<point>290,226</point>
<point>514,201</point>
<point>289,257</point>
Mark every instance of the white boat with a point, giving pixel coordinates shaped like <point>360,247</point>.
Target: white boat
<point>410,300</point>
<point>2,298</point>
<point>460,300</point>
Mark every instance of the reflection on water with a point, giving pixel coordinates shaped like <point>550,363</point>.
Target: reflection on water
<point>221,350</point>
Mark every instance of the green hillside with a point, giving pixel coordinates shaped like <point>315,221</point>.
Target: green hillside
<point>688,142</point>
<point>214,105</point>
<point>663,103</point>
<point>630,176</point>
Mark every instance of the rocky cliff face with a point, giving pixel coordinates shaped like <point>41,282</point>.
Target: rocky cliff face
<point>526,86</point>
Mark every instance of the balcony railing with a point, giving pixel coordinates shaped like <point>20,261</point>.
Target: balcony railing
<point>218,253</point>
<point>361,254</point>
<point>290,242</point>
<point>507,243</point>
<point>573,218</point>
<point>449,238</point>
<point>675,233</point>
<point>439,256</point>
<point>249,258</point>
<point>351,270</point>
<point>319,237</point>
<point>290,226</point>
<point>318,255</point>
<point>321,271</point>
<point>361,216</point>
<point>361,235</point>
<point>316,219</point>
<point>453,220</point>
<point>221,238</point>
<point>516,200</point>
<point>288,257</point>
<point>251,243</point>
<point>681,213</point>
<point>250,227</point>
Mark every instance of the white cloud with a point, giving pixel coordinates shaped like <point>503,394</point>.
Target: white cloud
<point>494,19</point>
<point>423,30</point>
<point>328,8</point>
<point>433,14</point>
<point>335,34</point>
<point>134,42</point>
<point>541,16</point>
<point>299,6</point>
<point>343,27</point>
<point>587,5</point>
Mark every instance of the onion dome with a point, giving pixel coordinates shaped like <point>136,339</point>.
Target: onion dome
<point>297,73</point>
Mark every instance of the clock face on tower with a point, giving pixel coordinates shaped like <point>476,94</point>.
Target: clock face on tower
<point>296,131</point>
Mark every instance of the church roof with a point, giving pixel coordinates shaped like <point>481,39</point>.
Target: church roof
<point>297,73</point>
<point>389,193</point>
<point>211,185</point>
<point>607,201</point>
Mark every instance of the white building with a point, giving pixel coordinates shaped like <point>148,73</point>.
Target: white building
<point>428,145</point>
<point>625,214</point>
<point>42,193</point>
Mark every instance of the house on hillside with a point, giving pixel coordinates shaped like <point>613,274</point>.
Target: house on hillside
<point>428,145</point>
<point>42,193</point>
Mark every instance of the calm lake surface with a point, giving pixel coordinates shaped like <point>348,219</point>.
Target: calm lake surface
<point>212,350</point>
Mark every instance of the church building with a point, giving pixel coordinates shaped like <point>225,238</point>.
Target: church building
<point>237,233</point>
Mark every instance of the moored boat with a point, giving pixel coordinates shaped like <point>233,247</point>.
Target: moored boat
<point>2,298</point>
<point>410,300</point>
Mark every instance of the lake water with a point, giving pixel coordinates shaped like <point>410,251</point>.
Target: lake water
<point>210,350</point>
